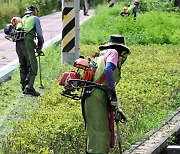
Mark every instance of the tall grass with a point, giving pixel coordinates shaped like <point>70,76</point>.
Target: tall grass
<point>149,28</point>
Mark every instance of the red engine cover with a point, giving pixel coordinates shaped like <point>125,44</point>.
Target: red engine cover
<point>68,75</point>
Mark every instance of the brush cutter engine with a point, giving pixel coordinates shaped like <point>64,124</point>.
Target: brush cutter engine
<point>66,77</point>
<point>71,80</point>
<point>12,34</point>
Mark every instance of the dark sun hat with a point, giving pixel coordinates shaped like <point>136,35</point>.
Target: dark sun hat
<point>30,9</point>
<point>115,42</point>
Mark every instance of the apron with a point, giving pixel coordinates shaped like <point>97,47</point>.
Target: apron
<point>96,114</point>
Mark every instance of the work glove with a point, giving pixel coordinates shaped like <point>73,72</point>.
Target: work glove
<point>119,115</point>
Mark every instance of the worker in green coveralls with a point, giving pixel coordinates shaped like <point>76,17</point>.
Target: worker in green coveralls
<point>32,28</point>
<point>98,112</point>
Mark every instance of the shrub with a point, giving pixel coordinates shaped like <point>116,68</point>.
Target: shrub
<point>7,13</point>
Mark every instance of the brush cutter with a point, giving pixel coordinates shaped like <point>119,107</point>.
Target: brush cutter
<point>77,87</point>
<point>73,84</point>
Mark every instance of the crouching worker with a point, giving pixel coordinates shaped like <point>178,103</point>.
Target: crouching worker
<point>31,26</point>
<point>132,9</point>
<point>124,11</point>
<point>97,110</point>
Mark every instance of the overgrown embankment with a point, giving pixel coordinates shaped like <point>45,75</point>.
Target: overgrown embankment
<point>149,90</point>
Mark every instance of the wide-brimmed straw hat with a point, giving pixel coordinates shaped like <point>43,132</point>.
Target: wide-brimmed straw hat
<point>115,42</point>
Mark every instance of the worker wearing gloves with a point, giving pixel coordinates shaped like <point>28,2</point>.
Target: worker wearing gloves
<point>98,111</point>
<point>32,29</point>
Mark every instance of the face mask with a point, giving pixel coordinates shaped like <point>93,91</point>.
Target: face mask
<point>122,57</point>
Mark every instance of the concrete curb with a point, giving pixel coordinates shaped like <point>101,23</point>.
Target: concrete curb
<point>156,141</point>
<point>7,70</point>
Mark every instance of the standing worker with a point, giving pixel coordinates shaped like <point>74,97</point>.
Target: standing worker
<point>135,8</point>
<point>32,28</point>
<point>21,50</point>
<point>86,7</point>
<point>97,110</point>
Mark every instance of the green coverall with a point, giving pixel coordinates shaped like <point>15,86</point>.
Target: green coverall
<point>96,114</point>
<point>32,28</point>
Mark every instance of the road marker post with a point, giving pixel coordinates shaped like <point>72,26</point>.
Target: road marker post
<point>70,32</point>
<point>110,3</point>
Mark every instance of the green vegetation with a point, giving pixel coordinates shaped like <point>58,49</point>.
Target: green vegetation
<point>152,27</point>
<point>11,8</point>
<point>149,90</point>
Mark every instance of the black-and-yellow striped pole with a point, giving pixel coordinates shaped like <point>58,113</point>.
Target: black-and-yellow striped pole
<point>110,3</point>
<point>70,32</point>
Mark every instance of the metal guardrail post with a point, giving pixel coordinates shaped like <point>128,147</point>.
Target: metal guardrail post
<point>70,32</point>
<point>110,3</point>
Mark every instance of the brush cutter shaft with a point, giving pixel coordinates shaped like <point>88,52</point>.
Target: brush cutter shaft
<point>86,88</point>
<point>40,76</point>
<point>119,138</point>
<point>40,70</point>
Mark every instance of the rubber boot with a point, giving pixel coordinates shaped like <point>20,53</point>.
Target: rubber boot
<point>23,81</point>
<point>29,89</point>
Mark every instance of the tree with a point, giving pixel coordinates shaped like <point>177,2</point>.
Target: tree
<point>177,3</point>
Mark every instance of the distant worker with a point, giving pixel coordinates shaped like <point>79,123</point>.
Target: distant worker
<point>86,7</point>
<point>132,9</point>
<point>32,28</point>
<point>124,11</point>
<point>135,7</point>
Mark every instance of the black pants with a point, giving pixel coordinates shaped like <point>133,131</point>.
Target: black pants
<point>86,7</point>
<point>25,67</point>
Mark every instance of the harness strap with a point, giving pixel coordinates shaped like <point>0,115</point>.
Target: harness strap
<point>102,79</point>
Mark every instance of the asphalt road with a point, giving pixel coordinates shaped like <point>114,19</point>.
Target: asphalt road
<point>51,26</point>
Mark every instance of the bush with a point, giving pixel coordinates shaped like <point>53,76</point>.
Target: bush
<point>7,13</point>
<point>8,10</point>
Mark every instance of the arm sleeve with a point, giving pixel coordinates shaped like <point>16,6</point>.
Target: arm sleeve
<point>39,32</point>
<point>109,65</point>
<point>111,60</point>
<point>108,71</point>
